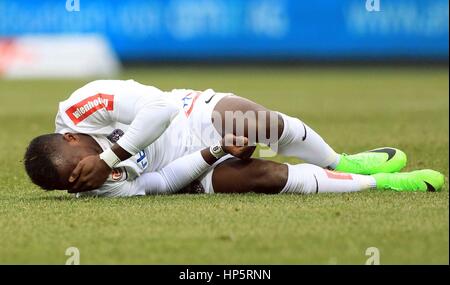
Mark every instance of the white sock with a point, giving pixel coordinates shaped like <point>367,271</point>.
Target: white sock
<point>308,179</point>
<point>301,141</point>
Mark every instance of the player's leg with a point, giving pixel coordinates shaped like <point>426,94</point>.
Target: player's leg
<point>287,135</point>
<point>253,175</point>
<point>290,136</point>
<point>263,176</point>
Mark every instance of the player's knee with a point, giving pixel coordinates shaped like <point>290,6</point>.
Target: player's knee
<point>274,126</point>
<point>280,125</point>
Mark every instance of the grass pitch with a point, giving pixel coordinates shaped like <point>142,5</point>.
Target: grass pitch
<point>354,109</point>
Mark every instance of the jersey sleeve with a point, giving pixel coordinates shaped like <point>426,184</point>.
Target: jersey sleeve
<point>174,176</point>
<point>115,189</point>
<point>170,179</point>
<point>99,105</point>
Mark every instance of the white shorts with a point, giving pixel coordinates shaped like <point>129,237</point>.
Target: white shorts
<point>199,113</point>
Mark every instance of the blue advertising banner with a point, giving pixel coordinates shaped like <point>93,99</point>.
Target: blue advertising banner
<point>205,29</point>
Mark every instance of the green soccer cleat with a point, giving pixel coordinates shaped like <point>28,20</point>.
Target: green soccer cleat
<point>419,180</point>
<point>380,160</point>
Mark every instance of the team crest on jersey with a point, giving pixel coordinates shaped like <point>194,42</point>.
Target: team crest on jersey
<point>83,109</point>
<point>115,135</point>
<point>118,174</point>
<point>189,101</point>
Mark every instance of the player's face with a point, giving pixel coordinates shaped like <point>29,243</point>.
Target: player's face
<point>73,149</point>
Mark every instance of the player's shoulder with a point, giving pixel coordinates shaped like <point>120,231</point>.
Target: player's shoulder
<point>109,82</point>
<point>110,188</point>
<point>116,83</point>
<point>92,88</point>
<point>112,87</point>
<point>101,85</point>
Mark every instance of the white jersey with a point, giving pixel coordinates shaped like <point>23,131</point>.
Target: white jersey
<point>111,111</point>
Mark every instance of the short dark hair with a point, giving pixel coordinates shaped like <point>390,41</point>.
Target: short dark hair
<point>40,161</point>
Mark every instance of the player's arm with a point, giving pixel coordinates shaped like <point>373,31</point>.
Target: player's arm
<point>148,116</point>
<point>180,172</point>
<point>184,170</point>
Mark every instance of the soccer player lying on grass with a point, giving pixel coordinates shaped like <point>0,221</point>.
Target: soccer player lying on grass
<point>122,138</point>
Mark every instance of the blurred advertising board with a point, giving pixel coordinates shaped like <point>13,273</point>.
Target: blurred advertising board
<point>57,56</point>
<point>230,29</point>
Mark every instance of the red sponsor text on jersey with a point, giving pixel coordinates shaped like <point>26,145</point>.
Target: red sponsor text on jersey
<point>83,109</point>
<point>338,175</point>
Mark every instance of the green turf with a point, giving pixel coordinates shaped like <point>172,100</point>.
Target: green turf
<point>353,108</point>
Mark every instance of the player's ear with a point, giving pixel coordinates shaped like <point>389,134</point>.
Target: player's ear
<point>69,137</point>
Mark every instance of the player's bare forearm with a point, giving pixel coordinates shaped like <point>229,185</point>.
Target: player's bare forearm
<point>208,157</point>
<point>230,144</point>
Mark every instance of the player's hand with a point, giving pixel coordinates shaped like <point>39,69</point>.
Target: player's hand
<point>90,173</point>
<point>237,146</point>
